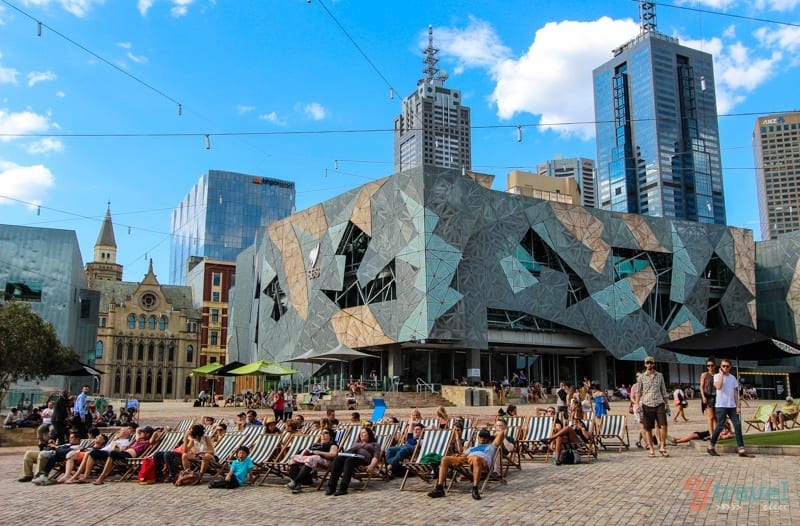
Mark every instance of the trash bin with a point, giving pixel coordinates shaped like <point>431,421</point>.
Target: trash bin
<point>480,398</point>
<point>468,400</point>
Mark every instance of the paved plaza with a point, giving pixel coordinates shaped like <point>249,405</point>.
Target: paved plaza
<point>689,487</point>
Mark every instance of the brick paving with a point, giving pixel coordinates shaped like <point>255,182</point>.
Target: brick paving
<point>689,487</point>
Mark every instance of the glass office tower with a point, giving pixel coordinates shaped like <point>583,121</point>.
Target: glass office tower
<point>657,133</point>
<point>220,215</point>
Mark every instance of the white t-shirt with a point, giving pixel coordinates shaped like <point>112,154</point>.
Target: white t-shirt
<point>726,396</point>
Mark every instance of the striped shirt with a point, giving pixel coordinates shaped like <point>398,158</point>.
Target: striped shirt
<point>651,389</point>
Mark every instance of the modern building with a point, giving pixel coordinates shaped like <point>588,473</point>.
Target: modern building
<point>559,189</point>
<point>43,266</point>
<point>776,152</point>
<point>434,127</point>
<point>443,278</point>
<point>210,282</point>
<point>578,168</point>
<point>220,214</point>
<point>658,150</point>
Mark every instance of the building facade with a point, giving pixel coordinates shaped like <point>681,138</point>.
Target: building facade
<point>658,148</point>
<point>434,127</point>
<point>578,168</point>
<point>220,215</point>
<point>105,264</point>
<point>776,152</point>
<point>558,189</point>
<point>210,282</point>
<point>444,278</point>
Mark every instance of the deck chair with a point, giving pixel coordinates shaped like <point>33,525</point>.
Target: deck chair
<point>184,425</point>
<point>379,405</point>
<point>533,445</point>
<point>389,429</point>
<point>351,437</point>
<point>465,472</point>
<point>429,422</point>
<point>280,467</point>
<point>613,428</point>
<point>168,442</point>
<point>513,457</point>
<point>263,449</point>
<point>790,421</point>
<point>224,452</point>
<point>760,419</point>
<point>432,442</point>
<point>515,421</point>
<point>362,475</point>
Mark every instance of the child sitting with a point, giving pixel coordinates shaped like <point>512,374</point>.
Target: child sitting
<point>239,472</point>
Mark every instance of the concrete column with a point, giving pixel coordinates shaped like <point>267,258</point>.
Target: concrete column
<point>473,366</point>
<point>394,361</point>
<point>600,369</point>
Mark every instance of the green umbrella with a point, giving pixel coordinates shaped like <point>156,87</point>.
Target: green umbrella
<point>262,368</point>
<point>208,369</point>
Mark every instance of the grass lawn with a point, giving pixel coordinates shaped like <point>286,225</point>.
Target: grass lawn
<point>777,438</point>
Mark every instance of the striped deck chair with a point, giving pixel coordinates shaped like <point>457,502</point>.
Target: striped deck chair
<point>432,442</point>
<point>533,444</point>
<point>389,429</point>
<point>224,452</point>
<point>341,434</point>
<point>361,473</point>
<point>465,472</point>
<point>515,421</point>
<point>280,467</point>
<point>184,425</point>
<point>513,457</point>
<point>168,442</point>
<point>467,421</point>
<point>429,422</point>
<point>350,438</point>
<point>263,449</point>
<point>613,428</point>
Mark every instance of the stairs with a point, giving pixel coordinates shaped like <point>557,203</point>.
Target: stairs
<point>393,399</point>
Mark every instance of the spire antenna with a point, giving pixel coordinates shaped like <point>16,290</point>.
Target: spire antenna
<point>647,17</point>
<point>431,59</point>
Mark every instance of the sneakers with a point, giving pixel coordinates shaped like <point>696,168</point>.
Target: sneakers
<point>340,492</point>
<point>742,452</point>
<point>26,478</point>
<point>39,479</point>
<point>437,492</point>
<point>291,485</point>
<point>47,482</point>
<point>712,452</point>
<point>330,491</point>
<point>475,493</point>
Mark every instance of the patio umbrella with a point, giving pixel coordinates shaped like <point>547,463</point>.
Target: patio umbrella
<point>344,353</point>
<point>226,369</point>
<point>78,369</point>
<point>208,369</point>
<point>312,356</point>
<point>262,368</point>
<point>733,341</point>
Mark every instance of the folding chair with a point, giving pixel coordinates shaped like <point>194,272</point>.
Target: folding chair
<point>533,444</point>
<point>432,442</point>
<point>613,427</point>
<point>761,417</point>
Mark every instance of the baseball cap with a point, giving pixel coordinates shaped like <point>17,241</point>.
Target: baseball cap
<point>484,433</point>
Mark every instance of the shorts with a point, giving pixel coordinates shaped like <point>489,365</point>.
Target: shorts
<point>712,400</point>
<point>702,435</point>
<point>651,415</point>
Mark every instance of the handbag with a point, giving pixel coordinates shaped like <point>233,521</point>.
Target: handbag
<point>188,478</point>
<point>606,404</point>
<point>147,473</point>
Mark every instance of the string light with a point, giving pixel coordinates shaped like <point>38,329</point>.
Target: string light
<point>208,142</point>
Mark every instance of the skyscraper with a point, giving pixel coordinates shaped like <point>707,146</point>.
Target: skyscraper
<point>433,128</point>
<point>776,143</point>
<point>578,168</point>
<point>219,216</point>
<point>657,135</point>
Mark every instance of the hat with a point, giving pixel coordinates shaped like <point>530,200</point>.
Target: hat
<point>789,399</point>
<point>269,420</point>
<point>649,359</point>
<point>484,433</point>
<point>147,429</point>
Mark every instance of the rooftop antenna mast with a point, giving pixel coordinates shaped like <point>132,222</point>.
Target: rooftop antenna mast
<point>431,59</point>
<point>647,17</point>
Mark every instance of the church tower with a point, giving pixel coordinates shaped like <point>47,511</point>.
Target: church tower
<point>104,266</point>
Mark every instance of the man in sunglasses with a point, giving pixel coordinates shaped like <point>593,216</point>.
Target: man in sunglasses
<point>651,394</point>
<point>727,405</point>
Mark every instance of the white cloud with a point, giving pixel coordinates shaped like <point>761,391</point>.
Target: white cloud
<point>124,45</point>
<point>274,118</point>
<point>35,77</point>
<point>60,94</point>
<point>21,123</point>
<point>48,144</point>
<point>776,5</point>
<point>180,7</point>
<point>26,183</point>
<point>553,78</point>
<point>143,6</point>
<point>315,110</point>
<point>78,8</point>
<point>139,59</point>
<point>241,109</point>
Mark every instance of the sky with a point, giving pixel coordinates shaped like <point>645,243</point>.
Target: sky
<point>300,90</point>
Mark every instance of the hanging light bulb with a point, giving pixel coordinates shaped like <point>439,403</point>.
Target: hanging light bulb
<point>519,133</point>
<point>39,210</point>
<point>180,109</point>
<point>38,28</point>
<point>208,142</point>
<point>391,93</point>
<point>129,230</point>
<point>335,164</point>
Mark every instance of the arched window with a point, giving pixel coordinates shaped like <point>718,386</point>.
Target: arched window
<point>130,352</point>
<point>98,349</point>
<point>171,353</point>
<point>189,353</point>
<point>117,382</point>
<point>131,321</point>
<point>187,387</point>
<point>162,323</point>
<point>138,381</point>
<point>140,355</point>
<point>152,323</point>
<point>128,382</point>
<point>168,390</point>
<point>159,383</point>
<point>119,351</point>
<point>161,352</point>
<point>151,352</point>
<point>142,321</point>
<point>148,383</point>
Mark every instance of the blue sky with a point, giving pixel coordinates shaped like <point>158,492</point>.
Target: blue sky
<point>283,92</point>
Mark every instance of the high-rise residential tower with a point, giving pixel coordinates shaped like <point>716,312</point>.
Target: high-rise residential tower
<point>578,168</point>
<point>657,134</point>
<point>220,215</point>
<point>434,127</point>
<point>776,143</point>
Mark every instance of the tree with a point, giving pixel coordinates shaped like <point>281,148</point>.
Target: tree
<point>29,347</point>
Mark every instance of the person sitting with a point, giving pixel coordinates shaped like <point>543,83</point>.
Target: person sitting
<point>575,434</point>
<point>241,423</point>
<point>479,457</point>
<point>252,418</point>
<point>442,418</point>
<point>109,416</point>
<point>355,417</point>
<point>131,408</point>
<point>100,456</point>
<point>218,430</point>
<point>271,426</point>
<point>359,386</point>
<point>77,456</point>
<point>239,473</point>
<point>137,447</point>
<point>32,420</point>
<point>778,417</point>
<point>197,448</point>
<point>93,416</point>
<point>13,419</point>
<point>351,402</point>
<point>318,456</point>
<point>365,452</point>
<point>396,454</point>
<point>58,454</point>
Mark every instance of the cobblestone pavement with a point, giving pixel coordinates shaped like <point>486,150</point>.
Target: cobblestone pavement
<point>689,487</point>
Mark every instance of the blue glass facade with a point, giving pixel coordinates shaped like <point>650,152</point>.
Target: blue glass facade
<point>657,134</point>
<point>220,215</point>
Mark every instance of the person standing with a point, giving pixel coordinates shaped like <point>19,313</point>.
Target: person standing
<point>59,418</point>
<point>708,396</point>
<point>727,405</point>
<point>651,393</point>
<point>80,421</point>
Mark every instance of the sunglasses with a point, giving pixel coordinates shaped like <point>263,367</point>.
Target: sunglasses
<point>725,366</point>
<point>709,365</point>
<point>649,363</point>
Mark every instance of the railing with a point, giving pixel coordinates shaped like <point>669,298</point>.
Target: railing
<point>423,387</point>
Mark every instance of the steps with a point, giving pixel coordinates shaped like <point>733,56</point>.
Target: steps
<point>393,399</point>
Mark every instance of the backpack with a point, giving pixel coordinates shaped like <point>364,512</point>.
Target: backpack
<point>562,395</point>
<point>188,478</point>
<point>570,456</point>
<point>147,473</point>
